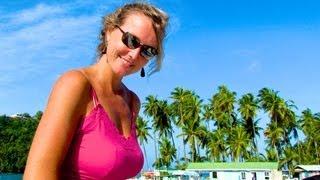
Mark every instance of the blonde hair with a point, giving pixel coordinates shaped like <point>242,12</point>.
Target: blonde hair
<point>159,22</point>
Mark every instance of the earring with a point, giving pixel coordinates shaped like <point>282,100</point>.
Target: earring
<point>142,73</point>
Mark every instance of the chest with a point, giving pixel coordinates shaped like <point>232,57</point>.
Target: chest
<point>119,111</point>
<point>98,152</point>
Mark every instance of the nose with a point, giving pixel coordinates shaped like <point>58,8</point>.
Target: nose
<point>135,53</point>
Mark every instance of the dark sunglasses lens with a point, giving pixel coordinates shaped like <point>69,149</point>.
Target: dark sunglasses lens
<point>148,52</point>
<point>133,42</point>
<point>130,41</point>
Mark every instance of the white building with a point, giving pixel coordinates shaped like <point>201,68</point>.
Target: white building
<point>304,171</point>
<point>237,171</point>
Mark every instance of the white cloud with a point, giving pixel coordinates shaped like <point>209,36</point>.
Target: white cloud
<point>39,12</point>
<point>254,66</point>
<point>54,41</point>
<point>47,38</point>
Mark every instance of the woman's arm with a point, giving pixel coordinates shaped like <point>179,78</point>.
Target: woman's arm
<point>67,103</point>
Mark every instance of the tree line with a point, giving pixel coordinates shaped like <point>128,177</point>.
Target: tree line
<point>223,129</point>
<point>16,133</point>
<point>226,128</point>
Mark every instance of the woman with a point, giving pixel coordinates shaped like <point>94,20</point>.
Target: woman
<point>88,128</point>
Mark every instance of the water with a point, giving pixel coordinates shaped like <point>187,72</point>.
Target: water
<point>10,176</point>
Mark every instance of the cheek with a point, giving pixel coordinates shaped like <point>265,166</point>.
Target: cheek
<point>114,51</point>
<point>121,50</point>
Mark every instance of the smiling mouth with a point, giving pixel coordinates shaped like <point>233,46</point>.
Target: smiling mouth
<point>127,62</point>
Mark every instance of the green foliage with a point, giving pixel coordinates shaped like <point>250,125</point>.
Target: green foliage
<point>15,139</point>
<point>222,105</point>
<point>167,152</point>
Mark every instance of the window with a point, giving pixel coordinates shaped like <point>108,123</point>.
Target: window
<point>254,176</point>
<point>214,174</point>
<point>243,175</point>
<point>267,175</point>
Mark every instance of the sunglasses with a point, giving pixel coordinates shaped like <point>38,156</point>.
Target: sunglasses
<point>133,42</point>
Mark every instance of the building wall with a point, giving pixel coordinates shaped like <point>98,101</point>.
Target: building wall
<point>260,175</point>
<point>228,175</point>
<point>308,174</point>
<point>276,175</point>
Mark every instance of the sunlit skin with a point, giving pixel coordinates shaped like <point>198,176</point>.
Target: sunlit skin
<point>70,99</point>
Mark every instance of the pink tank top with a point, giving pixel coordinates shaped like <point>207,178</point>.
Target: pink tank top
<point>99,151</point>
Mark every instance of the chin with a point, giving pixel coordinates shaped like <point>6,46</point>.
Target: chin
<point>122,73</point>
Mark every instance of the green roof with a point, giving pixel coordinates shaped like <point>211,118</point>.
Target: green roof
<point>233,166</point>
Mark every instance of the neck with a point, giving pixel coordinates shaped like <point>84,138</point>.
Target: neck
<point>106,79</point>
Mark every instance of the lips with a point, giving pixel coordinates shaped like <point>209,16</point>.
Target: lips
<point>127,62</point>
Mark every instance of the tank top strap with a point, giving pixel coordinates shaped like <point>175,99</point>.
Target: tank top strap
<point>92,91</point>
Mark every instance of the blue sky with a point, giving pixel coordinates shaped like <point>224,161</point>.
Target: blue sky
<point>243,44</point>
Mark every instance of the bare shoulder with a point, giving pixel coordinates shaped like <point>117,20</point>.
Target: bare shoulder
<point>72,79</point>
<point>71,89</point>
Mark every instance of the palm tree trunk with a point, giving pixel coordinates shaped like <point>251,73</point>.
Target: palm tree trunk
<point>198,149</point>
<point>184,145</point>
<point>317,152</point>
<point>277,153</point>
<point>184,150</point>
<point>194,151</point>
<point>172,139</point>
<point>255,140</point>
<point>145,154</point>
<point>155,145</point>
<point>299,151</point>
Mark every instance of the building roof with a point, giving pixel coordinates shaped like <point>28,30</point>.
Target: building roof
<point>300,168</point>
<point>233,166</point>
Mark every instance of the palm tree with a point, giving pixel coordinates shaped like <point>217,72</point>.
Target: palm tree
<point>248,107</point>
<point>192,131</point>
<point>207,115</point>
<point>238,143</point>
<point>290,123</point>
<point>274,134</point>
<point>271,154</point>
<point>272,104</point>
<point>193,112</point>
<point>187,107</point>
<point>310,125</point>
<point>281,115</point>
<point>162,121</point>
<point>143,135</point>
<point>290,159</point>
<point>181,98</point>
<point>151,110</point>
<point>157,163</point>
<point>217,145</point>
<point>167,151</point>
<point>161,118</point>
<point>222,105</point>
<point>203,142</point>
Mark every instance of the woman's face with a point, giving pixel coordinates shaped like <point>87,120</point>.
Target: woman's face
<point>122,59</point>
